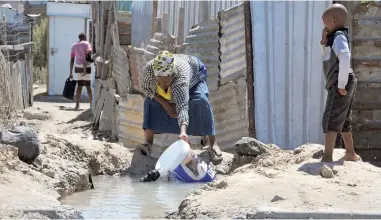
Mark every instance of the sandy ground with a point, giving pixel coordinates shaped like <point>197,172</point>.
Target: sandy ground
<point>70,154</point>
<point>284,180</point>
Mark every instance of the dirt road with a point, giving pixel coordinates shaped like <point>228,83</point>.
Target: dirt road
<point>70,154</point>
<point>288,181</point>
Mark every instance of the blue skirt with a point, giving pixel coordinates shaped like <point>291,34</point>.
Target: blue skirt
<point>201,119</point>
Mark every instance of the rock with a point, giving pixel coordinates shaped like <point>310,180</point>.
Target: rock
<point>36,114</point>
<point>250,147</point>
<point>326,172</point>
<point>220,184</point>
<point>201,216</point>
<point>313,150</point>
<point>141,164</point>
<point>277,198</point>
<point>25,139</point>
<point>48,173</point>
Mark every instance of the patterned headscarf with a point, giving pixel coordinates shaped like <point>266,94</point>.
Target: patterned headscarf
<point>163,64</point>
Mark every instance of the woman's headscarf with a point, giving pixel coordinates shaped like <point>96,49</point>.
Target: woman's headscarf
<point>163,64</point>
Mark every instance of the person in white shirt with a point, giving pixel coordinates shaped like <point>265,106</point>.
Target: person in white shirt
<point>341,82</point>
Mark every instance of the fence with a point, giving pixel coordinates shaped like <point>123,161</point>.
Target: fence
<point>15,66</point>
<point>213,41</point>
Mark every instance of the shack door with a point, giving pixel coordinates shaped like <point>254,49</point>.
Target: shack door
<point>63,33</point>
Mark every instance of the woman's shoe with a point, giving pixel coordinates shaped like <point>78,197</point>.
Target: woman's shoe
<point>145,149</point>
<point>215,154</point>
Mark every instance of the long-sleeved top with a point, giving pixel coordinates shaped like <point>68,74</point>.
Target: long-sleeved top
<point>337,59</point>
<point>185,76</point>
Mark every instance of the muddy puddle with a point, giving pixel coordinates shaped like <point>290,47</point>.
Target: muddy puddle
<point>125,198</point>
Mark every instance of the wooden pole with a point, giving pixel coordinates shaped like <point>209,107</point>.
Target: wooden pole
<point>159,25</point>
<point>249,69</point>
<point>154,15</point>
<point>165,24</point>
<point>180,26</point>
<point>204,10</point>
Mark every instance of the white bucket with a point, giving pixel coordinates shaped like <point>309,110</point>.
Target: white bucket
<point>183,164</point>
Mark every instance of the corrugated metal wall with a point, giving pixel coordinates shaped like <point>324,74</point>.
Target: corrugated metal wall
<point>203,42</point>
<point>222,43</point>
<point>367,66</point>
<point>191,12</point>
<point>233,44</point>
<point>288,74</point>
<point>141,23</point>
<point>229,105</point>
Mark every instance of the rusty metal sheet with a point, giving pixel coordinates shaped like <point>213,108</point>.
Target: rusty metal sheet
<point>367,139</point>
<point>131,120</point>
<point>137,63</point>
<point>361,116</point>
<point>203,42</point>
<point>366,65</point>
<point>366,48</point>
<point>368,74</point>
<point>229,105</point>
<point>368,96</point>
<point>107,118</point>
<point>124,33</point>
<point>366,62</point>
<point>120,70</point>
<point>372,155</point>
<point>232,44</point>
<point>367,10</point>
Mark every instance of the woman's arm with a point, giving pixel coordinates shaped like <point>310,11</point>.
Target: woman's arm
<point>180,94</point>
<point>148,82</point>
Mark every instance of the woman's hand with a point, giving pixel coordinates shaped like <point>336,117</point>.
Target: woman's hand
<point>169,108</point>
<point>184,136</point>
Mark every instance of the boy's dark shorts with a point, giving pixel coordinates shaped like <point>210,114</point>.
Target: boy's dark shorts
<point>337,115</point>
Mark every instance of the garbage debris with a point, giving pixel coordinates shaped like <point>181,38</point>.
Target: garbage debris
<point>180,163</point>
<point>25,139</point>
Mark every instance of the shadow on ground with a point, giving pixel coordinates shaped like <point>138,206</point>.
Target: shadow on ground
<point>44,97</point>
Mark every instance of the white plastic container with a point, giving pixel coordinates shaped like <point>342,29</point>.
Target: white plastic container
<point>183,164</point>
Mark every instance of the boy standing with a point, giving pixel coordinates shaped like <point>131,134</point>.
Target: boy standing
<point>341,82</point>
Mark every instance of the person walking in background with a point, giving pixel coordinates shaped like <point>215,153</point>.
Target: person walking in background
<point>177,100</point>
<point>341,82</point>
<point>79,52</point>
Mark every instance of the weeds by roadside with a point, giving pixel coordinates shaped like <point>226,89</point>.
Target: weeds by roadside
<point>40,51</point>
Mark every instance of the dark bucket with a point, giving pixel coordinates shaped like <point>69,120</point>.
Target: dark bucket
<point>69,89</point>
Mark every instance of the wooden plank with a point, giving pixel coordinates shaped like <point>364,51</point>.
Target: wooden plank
<point>101,29</point>
<point>116,27</point>
<point>99,107</point>
<point>107,50</point>
<point>105,121</point>
<point>115,129</point>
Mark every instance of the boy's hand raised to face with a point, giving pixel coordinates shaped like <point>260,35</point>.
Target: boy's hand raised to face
<point>324,35</point>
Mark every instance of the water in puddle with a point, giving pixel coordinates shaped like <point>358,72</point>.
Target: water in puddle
<point>126,198</point>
